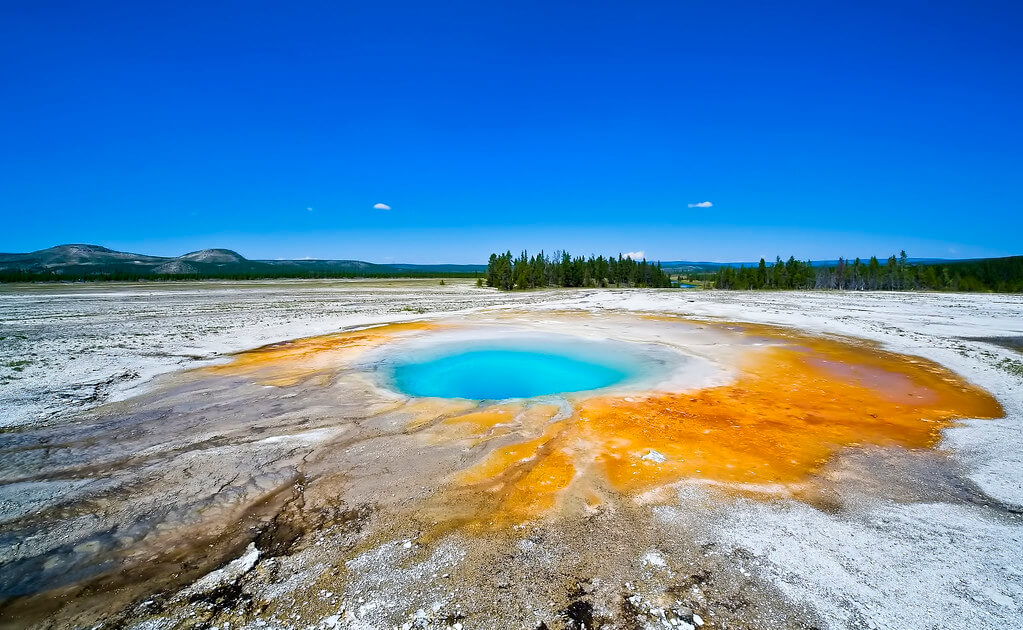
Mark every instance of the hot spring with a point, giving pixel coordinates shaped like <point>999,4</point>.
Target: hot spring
<point>505,370</point>
<point>547,407</point>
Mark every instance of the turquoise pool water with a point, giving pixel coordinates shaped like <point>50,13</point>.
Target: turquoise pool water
<point>499,373</point>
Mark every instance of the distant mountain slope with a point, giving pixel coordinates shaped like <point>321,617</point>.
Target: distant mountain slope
<point>175,268</point>
<point>93,262</point>
<point>214,256</point>
<point>75,254</point>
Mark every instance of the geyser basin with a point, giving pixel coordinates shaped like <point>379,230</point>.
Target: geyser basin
<point>510,371</point>
<point>500,374</point>
<point>308,439</point>
<point>648,401</point>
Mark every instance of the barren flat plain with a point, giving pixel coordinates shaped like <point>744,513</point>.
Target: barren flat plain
<point>230,455</point>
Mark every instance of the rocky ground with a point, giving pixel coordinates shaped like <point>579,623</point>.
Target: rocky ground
<point>914,540</point>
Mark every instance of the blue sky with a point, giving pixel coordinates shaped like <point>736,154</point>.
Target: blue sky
<point>816,129</point>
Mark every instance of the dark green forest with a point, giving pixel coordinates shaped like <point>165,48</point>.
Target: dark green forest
<point>1004,275</point>
<point>564,270</point>
<point>897,273</point>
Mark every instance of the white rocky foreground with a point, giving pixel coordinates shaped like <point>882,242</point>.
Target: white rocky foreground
<point>943,558</point>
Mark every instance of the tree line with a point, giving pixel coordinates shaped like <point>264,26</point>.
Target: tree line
<point>21,275</point>
<point>896,274</point>
<point>564,270</point>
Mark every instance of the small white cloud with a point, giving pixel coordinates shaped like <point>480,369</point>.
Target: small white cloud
<point>702,204</point>
<point>635,255</point>
<point>381,206</point>
<point>309,209</point>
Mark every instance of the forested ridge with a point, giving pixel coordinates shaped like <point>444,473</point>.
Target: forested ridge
<point>564,270</point>
<point>896,274</point>
<point>504,271</point>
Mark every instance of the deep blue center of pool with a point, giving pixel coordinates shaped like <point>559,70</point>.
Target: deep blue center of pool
<point>494,374</point>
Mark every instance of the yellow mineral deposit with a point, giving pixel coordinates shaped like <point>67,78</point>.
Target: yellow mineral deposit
<point>797,401</point>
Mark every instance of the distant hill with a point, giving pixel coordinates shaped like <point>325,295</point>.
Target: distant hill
<point>75,254</point>
<point>93,262</point>
<point>214,256</point>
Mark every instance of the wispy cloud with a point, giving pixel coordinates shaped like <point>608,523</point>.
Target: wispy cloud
<point>635,255</point>
<point>702,204</point>
<point>381,206</point>
<point>309,209</point>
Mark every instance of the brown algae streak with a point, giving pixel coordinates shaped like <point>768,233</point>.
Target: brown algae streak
<point>291,362</point>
